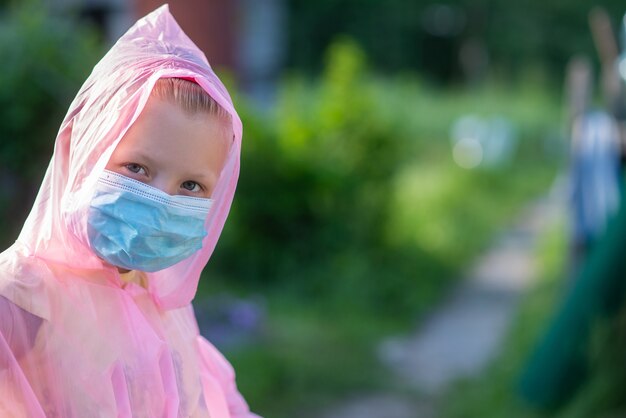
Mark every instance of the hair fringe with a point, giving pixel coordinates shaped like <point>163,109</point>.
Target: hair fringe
<point>189,95</point>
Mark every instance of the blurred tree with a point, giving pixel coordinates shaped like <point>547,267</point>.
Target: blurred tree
<point>430,36</point>
<point>44,61</point>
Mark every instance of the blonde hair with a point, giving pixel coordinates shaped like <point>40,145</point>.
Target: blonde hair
<point>189,95</point>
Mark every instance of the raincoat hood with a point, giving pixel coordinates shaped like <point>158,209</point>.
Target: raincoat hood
<point>106,106</point>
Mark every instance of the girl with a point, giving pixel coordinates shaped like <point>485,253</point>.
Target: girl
<point>95,295</point>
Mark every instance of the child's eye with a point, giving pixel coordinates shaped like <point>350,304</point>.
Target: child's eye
<point>191,186</point>
<point>135,168</point>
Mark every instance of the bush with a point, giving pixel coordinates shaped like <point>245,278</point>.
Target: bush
<point>351,219</point>
<point>348,193</point>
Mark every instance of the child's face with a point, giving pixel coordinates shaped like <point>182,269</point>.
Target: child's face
<point>178,153</point>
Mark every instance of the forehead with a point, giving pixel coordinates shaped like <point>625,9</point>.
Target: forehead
<point>168,134</point>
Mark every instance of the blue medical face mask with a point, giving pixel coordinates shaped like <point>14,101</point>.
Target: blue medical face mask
<point>139,227</point>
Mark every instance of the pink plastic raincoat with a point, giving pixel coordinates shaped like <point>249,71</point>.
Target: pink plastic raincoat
<point>75,340</point>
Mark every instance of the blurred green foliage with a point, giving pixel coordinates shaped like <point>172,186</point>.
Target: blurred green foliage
<point>45,59</point>
<point>349,188</point>
<point>352,218</point>
<point>315,185</point>
<point>602,393</point>
<point>428,36</point>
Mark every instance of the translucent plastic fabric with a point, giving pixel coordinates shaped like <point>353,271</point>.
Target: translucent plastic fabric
<point>75,339</point>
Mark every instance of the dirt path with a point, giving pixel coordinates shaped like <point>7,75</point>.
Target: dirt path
<point>460,337</point>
